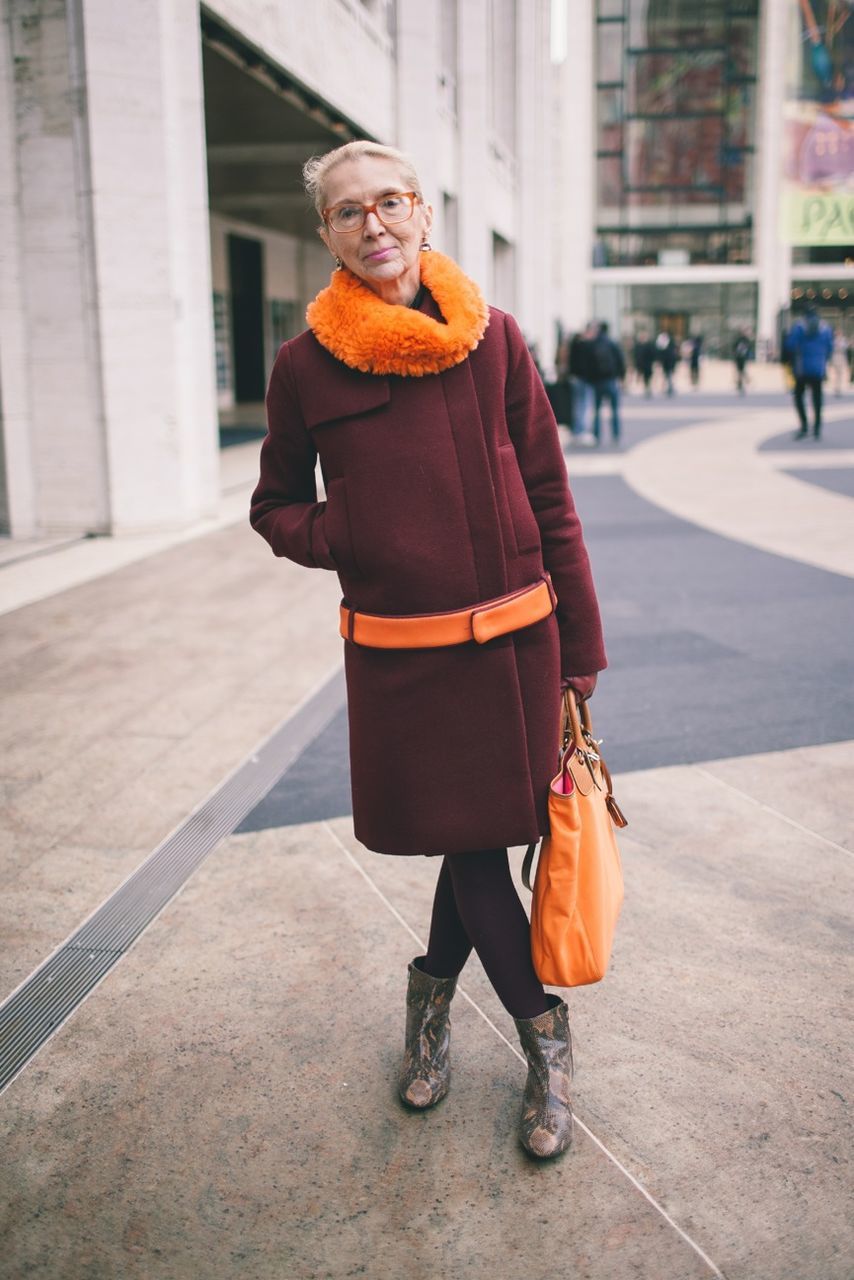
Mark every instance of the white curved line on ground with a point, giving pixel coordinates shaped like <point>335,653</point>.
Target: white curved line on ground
<point>712,475</point>
<point>599,1143</point>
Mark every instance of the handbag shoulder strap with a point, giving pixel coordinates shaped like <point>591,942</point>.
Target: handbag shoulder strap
<point>527,865</point>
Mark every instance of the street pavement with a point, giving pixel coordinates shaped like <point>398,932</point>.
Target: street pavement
<point>223,1103</point>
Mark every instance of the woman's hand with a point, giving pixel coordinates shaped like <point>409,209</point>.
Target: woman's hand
<point>583,685</point>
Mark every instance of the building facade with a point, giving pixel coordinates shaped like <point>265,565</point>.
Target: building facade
<point>156,243</point>
<point>679,164</point>
<point>698,113</point>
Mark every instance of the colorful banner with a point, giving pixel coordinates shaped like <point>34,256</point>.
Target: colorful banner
<point>818,188</point>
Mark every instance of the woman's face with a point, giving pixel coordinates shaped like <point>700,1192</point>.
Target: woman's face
<point>386,258</point>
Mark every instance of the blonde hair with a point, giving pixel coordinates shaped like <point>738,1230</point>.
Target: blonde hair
<point>316,170</point>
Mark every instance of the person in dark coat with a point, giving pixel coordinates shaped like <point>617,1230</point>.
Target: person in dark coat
<point>582,377</point>
<point>643,358</point>
<point>742,351</point>
<point>696,352</point>
<point>609,369</point>
<point>468,599</point>
<point>808,347</point>
<point>559,392</point>
<point>667,355</point>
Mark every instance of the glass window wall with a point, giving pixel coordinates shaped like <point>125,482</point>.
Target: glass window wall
<point>715,312</point>
<point>675,130</point>
<point>817,198</point>
<point>652,246</point>
<point>834,301</point>
<point>609,121</point>
<point>610,52</point>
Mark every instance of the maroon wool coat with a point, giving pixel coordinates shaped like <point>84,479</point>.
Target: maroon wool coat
<point>442,491</point>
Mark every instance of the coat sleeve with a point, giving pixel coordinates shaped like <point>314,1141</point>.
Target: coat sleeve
<point>284,507</point>
<point>534,433</point>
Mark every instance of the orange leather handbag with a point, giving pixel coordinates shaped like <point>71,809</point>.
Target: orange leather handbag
<point>578,890</point>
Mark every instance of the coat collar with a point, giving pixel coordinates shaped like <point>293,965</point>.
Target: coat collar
<point>365,333</point>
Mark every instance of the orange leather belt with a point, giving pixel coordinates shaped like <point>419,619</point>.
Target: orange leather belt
<point>480,622</point>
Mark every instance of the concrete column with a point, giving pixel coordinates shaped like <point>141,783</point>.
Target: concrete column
<point>56,474</point>
<point>576,177</point>
<point>417,73</point>
<point>475,235</point>
<point>17,474</point>
<point>535,172</point>
<point>150,228</point>
<point>773,257</point>
<point>108,383</point>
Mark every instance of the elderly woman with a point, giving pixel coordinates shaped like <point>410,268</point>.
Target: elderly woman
<point>468,599</point>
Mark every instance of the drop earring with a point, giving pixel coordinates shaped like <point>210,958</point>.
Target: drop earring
<point>426,247</point>
<point>338,264</point>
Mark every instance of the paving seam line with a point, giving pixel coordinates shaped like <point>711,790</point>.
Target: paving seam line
<point>28,1020</point>
<point>659,1208</point>
<point>767,808</point>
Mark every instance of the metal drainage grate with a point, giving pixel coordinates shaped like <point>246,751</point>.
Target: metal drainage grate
<point>30,1016</point>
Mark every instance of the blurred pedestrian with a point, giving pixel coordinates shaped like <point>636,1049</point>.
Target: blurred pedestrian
<point>839,364</point>
<point>581,373</point>
<point>643,359</point>
<point>667,355</point>
<point>786,359</point>
<point>446,499</point>
<point>742,350</point>
<point>694,355</point>
<point>534,353</point>
<point>809,346</point>
<point>559,392</point>
<point>609,368</point>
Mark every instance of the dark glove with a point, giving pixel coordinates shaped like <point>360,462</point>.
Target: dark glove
<point>583,685</point>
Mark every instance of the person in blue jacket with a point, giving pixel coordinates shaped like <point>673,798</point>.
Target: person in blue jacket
<point>808,349</point>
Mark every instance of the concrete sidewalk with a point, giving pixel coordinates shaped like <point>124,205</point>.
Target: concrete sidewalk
<point>223,1104</point>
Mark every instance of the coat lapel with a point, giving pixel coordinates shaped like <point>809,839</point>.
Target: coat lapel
<point>329,391</point>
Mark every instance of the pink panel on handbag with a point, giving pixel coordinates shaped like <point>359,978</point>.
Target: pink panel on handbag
<point>563,784</point>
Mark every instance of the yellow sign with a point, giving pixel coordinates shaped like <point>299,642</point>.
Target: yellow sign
<point>818,126</point>
<point>811,216</point>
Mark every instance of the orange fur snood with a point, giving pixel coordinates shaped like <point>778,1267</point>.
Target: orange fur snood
<point>362,331</point>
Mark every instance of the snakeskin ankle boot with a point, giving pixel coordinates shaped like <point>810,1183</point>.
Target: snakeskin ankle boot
<point>425,1074</point>
<point>546,1122</point>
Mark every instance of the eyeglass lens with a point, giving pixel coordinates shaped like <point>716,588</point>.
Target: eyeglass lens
<point>351,217</point>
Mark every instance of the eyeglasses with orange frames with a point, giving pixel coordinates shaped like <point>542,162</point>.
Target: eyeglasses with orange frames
<point>349,216</point>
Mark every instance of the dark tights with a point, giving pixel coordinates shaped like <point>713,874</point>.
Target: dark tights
<point>476,905</point>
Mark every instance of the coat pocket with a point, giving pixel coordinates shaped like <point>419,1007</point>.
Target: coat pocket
<point>337,527</point>
<point>524,521</point>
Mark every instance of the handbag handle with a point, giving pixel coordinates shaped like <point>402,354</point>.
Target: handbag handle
<point>579,727</point>
<point>572,724</point>
<point>577,735</point>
